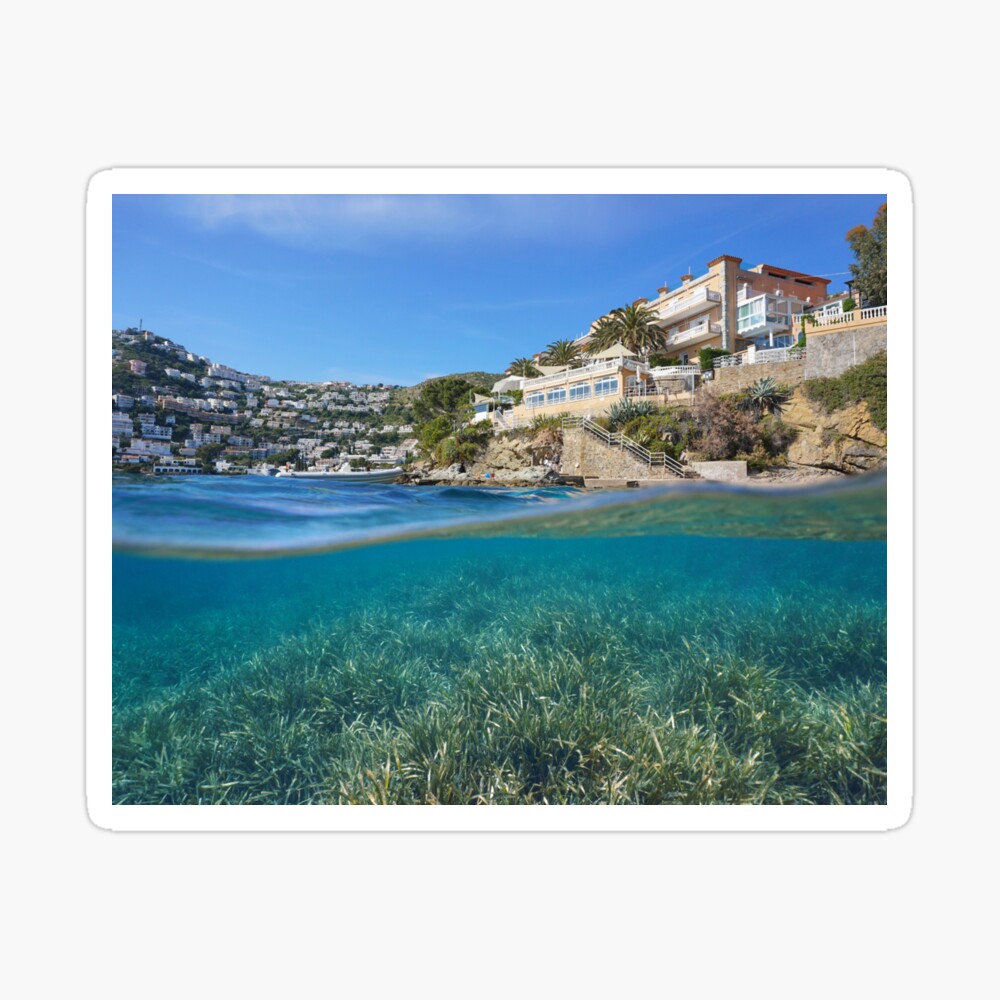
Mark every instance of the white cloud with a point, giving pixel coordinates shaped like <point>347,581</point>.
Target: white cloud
<point>361,222</point>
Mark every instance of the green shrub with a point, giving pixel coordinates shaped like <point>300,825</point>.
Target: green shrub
<point>465,445</point>
<point>776,436</point>
<point>434,431</point>
<point>662,361</point>
<point>866,383</point>
<point>668,430</point>
<point>707,356</point>
<point>550,422</point>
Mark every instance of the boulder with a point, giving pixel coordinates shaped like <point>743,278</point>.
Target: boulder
<point>845,440</point>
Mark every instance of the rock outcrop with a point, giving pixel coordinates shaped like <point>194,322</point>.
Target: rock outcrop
<point>507,461</point>
<point>845,441</point>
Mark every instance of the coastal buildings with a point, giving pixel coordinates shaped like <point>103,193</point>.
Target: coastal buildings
<point>747,315</point>
<point>188,393</point>
<point>588,390</point>
<point>730,307</point>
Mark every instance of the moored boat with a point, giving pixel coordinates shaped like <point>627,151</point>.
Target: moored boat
<point>343,476</point>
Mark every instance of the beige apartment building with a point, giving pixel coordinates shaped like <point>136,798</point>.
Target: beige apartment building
<point>731,307</point>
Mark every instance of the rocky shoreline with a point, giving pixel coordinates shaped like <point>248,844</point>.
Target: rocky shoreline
<point>536,476</point>
<point>826,446</point>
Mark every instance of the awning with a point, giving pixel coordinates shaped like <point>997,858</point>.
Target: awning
<point>511,382</point>
<point>618,350</point>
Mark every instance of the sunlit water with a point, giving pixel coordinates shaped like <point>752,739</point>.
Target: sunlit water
<point>256,622</point>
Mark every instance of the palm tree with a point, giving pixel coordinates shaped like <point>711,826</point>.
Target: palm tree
<point>638,331</point>
<point>762,397</point>
<point>563,353</point>
<point>634,326</point>
<point>524,367</point>
<point>603,334</point>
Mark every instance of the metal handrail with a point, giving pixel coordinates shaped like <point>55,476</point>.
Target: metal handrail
<point>612,438</point>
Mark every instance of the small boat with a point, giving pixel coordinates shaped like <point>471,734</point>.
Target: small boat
<point>343,475</point>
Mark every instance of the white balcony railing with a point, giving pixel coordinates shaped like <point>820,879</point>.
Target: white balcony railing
<point>858,315</point>
<point>674,371</point>
<point>592,368</point>
<point>697,332</point>
<point>760,356</point>
<point>703,297</point>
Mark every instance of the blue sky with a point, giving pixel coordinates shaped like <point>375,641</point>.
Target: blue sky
<point>397,288</point>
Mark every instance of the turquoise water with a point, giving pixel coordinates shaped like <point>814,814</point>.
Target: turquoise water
<point>291,642</point>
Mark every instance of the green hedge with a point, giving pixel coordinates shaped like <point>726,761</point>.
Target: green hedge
<point>866,382</point>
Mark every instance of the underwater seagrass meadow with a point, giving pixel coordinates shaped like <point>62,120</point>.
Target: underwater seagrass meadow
<point>693,647</point>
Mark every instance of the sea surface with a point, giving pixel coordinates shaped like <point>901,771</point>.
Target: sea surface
<point>294,642</point>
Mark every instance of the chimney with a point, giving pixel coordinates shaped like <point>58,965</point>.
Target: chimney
<point>663,289</point>
<point>685,278</point>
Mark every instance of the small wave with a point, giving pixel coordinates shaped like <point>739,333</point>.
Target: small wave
<point>254,517</point>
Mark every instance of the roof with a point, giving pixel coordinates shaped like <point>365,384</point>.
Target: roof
<point>761,268</point>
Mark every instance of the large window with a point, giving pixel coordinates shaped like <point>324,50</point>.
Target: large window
<point>780,340</point>
<point>606,387</point>
<point>765,309</point>
<point>534,399</point>
<point>750,314</point>
<point>557,395</point>
<point>581,391</point>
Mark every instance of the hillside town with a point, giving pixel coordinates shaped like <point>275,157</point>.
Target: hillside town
<point>175,412</point>
<point>663,385</point>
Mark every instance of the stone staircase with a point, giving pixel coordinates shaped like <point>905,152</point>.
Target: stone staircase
<point>653,459</point>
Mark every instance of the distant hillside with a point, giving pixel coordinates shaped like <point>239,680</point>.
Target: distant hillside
<point>406,395</point>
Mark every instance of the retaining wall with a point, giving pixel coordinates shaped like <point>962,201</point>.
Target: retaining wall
<point>831,352</point>
<point>739,377</point>
<point>722,472</point>
<point>584,455</point>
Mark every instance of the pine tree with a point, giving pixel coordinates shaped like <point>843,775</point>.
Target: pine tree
<point>869,247</point>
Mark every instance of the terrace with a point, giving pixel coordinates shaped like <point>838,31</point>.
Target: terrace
<point>591,368</point>
<point>754,355</point>
<point>856,317</point>
<point>676,309</point>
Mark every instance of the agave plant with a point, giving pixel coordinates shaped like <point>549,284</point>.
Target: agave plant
<point>624,410</point>
<point>764,396</point>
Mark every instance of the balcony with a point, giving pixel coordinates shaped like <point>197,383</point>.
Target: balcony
<point>700,331</point>
<point>574,374</point>
<point>688,305</point>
